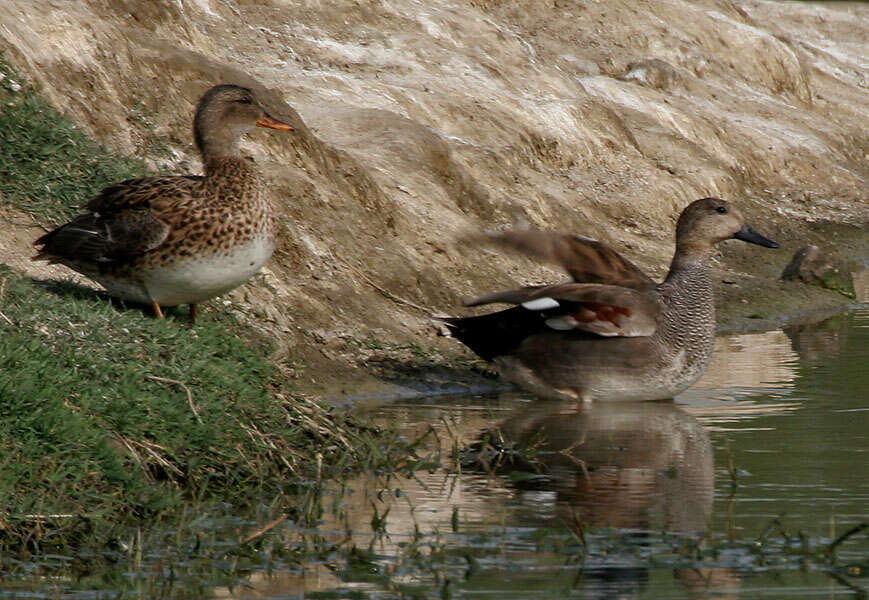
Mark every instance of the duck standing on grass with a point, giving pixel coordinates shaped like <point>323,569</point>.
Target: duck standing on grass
<point>622,337</point>
<point>183,239</point>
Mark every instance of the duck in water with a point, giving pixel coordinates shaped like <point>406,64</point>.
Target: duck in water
<point>614,334</point>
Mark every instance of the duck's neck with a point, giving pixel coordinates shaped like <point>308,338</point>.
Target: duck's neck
<point>217,145</point>
<point>217,167</point>
<point>691,278</point>
<point>691,272</point>
<point>222,159</point>
<point>688,294</point>
<point>219,152</point>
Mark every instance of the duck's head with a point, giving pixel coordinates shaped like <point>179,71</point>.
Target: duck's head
<point>224,114</point>
<point>707,221</point>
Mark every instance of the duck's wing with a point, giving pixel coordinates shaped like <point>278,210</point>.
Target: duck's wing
<point>124,220</point>
<point>157,194</point>
<point>585,259</point>
<point>605,310</point>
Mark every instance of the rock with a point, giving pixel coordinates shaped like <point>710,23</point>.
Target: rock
<point>442,330</point>
<point>813,266</point>
<point>653,73</point>
<point>584,66</point>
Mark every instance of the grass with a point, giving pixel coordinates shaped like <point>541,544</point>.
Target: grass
<point>111,419</point>
<point>48,166</point>
<point>107,410</point>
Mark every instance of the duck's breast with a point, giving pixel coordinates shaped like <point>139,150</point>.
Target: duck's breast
<point>206,275</point>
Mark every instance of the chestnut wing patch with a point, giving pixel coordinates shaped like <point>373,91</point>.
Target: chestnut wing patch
<point>604,310</point>
<point>603,319</point>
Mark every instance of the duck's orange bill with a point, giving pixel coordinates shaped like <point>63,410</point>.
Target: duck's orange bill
<point>272,123</point>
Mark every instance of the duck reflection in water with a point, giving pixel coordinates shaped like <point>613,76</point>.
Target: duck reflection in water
<point>633,465</point>
<point>646,467</point>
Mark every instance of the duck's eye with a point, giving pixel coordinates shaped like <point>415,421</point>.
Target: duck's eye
<point>244,100</point>
<point>721,209</point>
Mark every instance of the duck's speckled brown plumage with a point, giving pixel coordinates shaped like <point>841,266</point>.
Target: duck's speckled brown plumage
<point>621,337</point>
<point>182,239</point>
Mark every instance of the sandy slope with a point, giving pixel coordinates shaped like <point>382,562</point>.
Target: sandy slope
<point>419,121</point>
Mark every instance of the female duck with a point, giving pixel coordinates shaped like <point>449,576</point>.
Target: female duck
<point>175,240</point>
<point>622,337</point>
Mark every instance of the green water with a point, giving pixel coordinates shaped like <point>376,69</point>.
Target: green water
<point>738,489</point>
<point>734,490</point>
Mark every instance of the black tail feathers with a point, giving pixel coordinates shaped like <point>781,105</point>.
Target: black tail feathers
<point>496,333</point>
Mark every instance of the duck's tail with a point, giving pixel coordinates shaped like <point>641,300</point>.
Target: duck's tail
<point>81,239</point>
<point>494,334</point>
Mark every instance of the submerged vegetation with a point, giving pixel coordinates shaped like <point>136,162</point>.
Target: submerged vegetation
<point>213,547</point>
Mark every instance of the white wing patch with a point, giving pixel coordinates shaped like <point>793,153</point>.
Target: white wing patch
<point>541,304</point>
<point>562,323</point>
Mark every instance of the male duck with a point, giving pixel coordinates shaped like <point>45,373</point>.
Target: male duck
<point>184,239</point>
<point>622,337</point>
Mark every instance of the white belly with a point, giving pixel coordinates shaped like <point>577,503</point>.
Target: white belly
<point>204,277</point>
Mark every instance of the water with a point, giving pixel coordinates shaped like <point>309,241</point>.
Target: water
<point>732,491</point>
<point>736,490</point>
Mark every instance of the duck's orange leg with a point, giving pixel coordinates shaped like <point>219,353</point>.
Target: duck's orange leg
<point>158,312</point>
<point>194,312</point>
